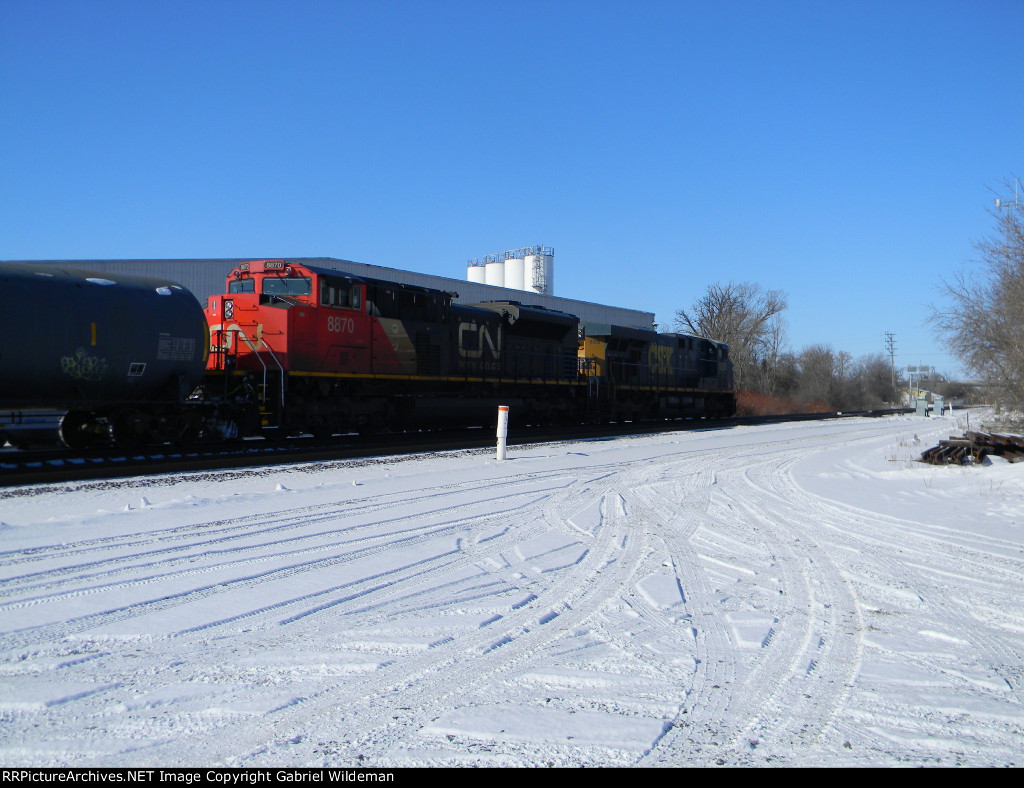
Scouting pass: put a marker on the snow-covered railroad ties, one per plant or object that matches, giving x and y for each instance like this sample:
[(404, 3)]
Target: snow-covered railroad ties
[(34, 466)]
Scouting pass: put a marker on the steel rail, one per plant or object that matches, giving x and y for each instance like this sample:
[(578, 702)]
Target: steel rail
[(27, 467)]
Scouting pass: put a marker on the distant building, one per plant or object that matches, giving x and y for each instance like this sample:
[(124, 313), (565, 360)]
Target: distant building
[(530, 269)]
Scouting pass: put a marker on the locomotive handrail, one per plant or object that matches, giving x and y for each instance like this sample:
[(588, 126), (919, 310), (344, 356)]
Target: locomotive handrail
[(253, 347), (238, 330), (270, 350)]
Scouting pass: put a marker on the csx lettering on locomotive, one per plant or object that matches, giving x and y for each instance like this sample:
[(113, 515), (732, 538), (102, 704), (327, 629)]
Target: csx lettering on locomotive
[(659, 358)]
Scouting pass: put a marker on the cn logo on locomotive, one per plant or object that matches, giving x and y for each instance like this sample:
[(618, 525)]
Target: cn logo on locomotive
[(473, 339)]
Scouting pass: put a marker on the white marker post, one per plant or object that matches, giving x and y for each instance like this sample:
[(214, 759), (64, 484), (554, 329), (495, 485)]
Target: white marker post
[(502, 430)]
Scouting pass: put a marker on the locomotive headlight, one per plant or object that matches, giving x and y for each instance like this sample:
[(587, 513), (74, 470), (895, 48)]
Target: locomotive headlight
[(229, 310)]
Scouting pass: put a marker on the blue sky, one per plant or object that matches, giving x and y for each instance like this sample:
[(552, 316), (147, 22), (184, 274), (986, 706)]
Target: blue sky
[(842, 152)]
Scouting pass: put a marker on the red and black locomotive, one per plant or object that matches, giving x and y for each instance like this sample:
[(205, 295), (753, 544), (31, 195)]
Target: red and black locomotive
[(325, 352)]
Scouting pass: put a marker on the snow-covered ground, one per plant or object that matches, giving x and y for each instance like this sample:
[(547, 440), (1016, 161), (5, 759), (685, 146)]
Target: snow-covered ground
[(799, 594)]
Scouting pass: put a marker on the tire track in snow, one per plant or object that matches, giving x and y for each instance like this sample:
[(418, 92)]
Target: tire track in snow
[(428, 683), (571, 600), (247, 528), (705, 691), (956, 643), (342, 554), (862, 544), (819, 636), (714, 710), (232, 530), (814, 627), (931, 560)]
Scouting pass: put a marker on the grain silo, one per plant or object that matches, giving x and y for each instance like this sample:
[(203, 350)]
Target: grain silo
[(515, 267), (495, 271)]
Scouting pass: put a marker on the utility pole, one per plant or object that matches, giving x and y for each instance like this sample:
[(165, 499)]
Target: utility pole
[(1010, 206), (890, 345)]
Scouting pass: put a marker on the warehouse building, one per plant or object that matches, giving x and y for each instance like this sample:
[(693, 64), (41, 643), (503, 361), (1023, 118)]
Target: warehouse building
[(207, 277)]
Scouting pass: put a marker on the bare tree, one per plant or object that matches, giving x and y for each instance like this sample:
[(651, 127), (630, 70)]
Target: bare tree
[(770, 358), (983, 321), (872, 382), (817, 373), (747, 318)]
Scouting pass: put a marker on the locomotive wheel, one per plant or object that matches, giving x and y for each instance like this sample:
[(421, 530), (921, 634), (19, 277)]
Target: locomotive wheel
[(187, 428), (127, 428), (321, 432), (74, 429), (276, 434), (377, 423)]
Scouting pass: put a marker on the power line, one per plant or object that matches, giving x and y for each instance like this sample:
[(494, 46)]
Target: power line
[(890, 344)]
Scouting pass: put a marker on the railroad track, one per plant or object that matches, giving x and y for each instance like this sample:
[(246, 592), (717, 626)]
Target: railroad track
[(22, 467)]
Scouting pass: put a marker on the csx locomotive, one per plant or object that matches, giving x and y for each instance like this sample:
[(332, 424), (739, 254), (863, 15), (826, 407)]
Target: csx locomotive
[(290, 349)]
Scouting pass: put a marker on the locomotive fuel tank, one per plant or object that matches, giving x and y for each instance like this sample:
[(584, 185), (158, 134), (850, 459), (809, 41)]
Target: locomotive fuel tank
[(72, 338)]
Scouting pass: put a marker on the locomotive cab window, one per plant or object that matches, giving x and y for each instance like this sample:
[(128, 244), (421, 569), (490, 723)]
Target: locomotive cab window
[(287, 285), (342, 294), (242, 286)]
